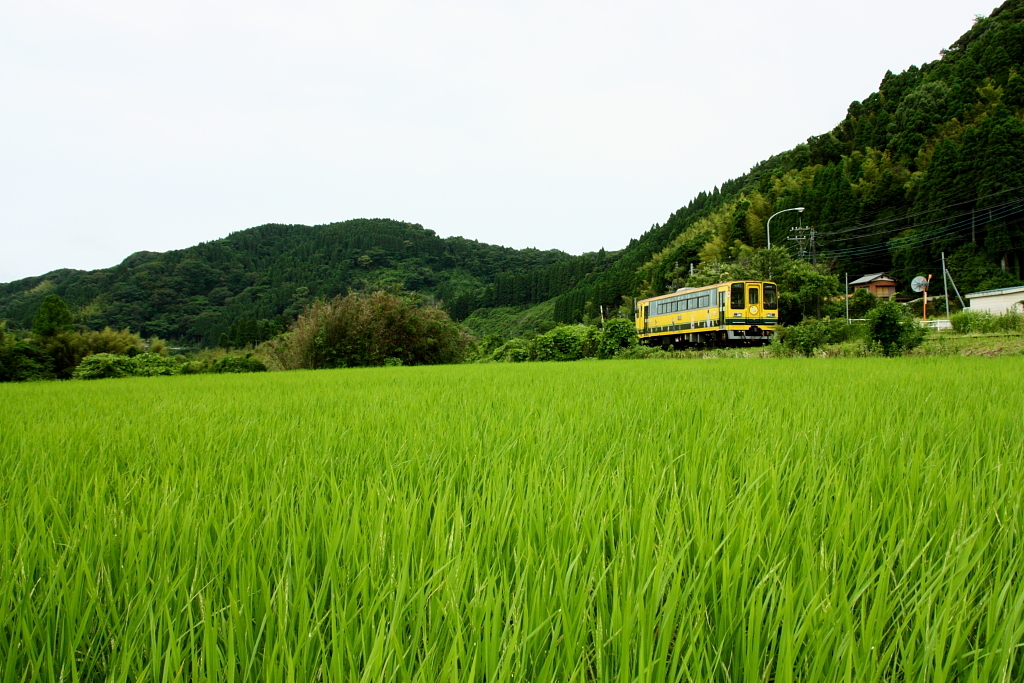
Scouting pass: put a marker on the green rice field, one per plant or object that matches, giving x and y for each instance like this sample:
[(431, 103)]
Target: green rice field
[(697, 520)]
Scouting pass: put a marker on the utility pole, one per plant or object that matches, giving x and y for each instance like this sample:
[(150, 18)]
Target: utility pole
[(814, 252), (800, 239), (973, 238), (768, 227), (847, 292), (945, 290)]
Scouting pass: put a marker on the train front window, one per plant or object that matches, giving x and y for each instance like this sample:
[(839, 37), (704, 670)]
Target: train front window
[(771, 301), (737, 295), (752, 295)]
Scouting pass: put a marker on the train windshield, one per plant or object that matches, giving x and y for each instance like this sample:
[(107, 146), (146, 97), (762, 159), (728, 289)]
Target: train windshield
[(771, 299), (737, 295)]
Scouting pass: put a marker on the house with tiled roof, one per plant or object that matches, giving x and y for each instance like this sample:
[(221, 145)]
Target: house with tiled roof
[(879, 284)]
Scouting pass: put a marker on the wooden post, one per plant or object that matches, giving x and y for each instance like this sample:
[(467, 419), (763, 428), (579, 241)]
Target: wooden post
[(926, 298)]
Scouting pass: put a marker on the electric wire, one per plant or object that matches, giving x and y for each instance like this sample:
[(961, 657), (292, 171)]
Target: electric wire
[(1005, 211), (914, 215)]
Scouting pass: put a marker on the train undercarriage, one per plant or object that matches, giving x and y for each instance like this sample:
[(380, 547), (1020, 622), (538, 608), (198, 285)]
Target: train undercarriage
[(713, 338)]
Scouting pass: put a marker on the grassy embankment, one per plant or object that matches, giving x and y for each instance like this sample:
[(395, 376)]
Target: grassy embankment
[(811, 520)]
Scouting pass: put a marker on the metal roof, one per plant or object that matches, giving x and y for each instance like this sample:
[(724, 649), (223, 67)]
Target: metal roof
[(871, 278), (991, 292)]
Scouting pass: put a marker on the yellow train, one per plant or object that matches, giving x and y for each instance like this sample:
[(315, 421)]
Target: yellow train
[(736, 313)]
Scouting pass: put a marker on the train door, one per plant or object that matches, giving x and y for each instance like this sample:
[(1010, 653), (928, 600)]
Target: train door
[(753, 300), (721, 309)]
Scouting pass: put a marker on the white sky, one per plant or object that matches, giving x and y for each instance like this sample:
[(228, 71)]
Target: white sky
[(128, 126)]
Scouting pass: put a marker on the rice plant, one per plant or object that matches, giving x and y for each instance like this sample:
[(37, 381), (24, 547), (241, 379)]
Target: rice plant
[(703, 520)]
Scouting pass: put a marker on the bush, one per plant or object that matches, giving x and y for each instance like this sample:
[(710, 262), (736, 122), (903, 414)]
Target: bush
[(861, 302), (893, 329), (194, 367), (367, 329), (513, 351), (812, 334), (104, 366), (618, 335), (239, 364), (567, 342), (153, 364)]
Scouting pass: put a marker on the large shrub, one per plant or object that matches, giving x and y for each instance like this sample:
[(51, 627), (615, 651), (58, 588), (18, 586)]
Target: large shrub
[(618, 335), (513, 351), (567, 342), (104, 366), (153, 364), (893, 328), (812, 334), (861, 302), (239, 364), (366, 330)]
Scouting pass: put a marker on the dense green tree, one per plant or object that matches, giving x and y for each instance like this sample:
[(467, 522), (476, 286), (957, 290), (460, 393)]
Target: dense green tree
[(21, 361), (53, 317)]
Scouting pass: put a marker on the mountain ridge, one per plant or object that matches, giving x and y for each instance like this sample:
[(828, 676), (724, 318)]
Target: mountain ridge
[(930, 164)]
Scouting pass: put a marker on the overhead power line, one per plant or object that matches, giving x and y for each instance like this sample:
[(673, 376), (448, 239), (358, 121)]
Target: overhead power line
[(887, 221), (964, 223)]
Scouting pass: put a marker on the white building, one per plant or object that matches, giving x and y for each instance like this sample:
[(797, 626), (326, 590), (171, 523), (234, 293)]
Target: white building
[(996, 301)]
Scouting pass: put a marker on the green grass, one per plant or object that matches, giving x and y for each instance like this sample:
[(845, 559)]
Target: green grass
[(952, 344), (702, 520)]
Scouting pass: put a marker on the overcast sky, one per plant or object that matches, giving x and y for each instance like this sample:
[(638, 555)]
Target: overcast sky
[(128, 126)]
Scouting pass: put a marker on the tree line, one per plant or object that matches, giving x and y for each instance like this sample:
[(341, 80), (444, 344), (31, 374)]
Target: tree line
[(267, 275)]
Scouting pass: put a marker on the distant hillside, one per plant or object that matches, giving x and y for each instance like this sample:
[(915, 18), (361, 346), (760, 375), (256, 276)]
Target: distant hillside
[(267, 274), (933, 162)]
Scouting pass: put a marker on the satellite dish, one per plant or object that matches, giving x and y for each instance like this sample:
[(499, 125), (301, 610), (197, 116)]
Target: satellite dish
[(919, 284)]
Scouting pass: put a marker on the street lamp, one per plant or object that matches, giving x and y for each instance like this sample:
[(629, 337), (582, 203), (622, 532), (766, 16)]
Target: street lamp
[(768, 228)]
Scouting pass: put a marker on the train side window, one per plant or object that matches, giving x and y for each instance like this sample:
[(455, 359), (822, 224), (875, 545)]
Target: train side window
[(705, 301), (753, 295), (737, 295), (771, 301)]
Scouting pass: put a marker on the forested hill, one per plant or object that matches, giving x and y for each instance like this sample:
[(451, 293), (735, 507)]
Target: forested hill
[(252, 282), (932, 162)]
